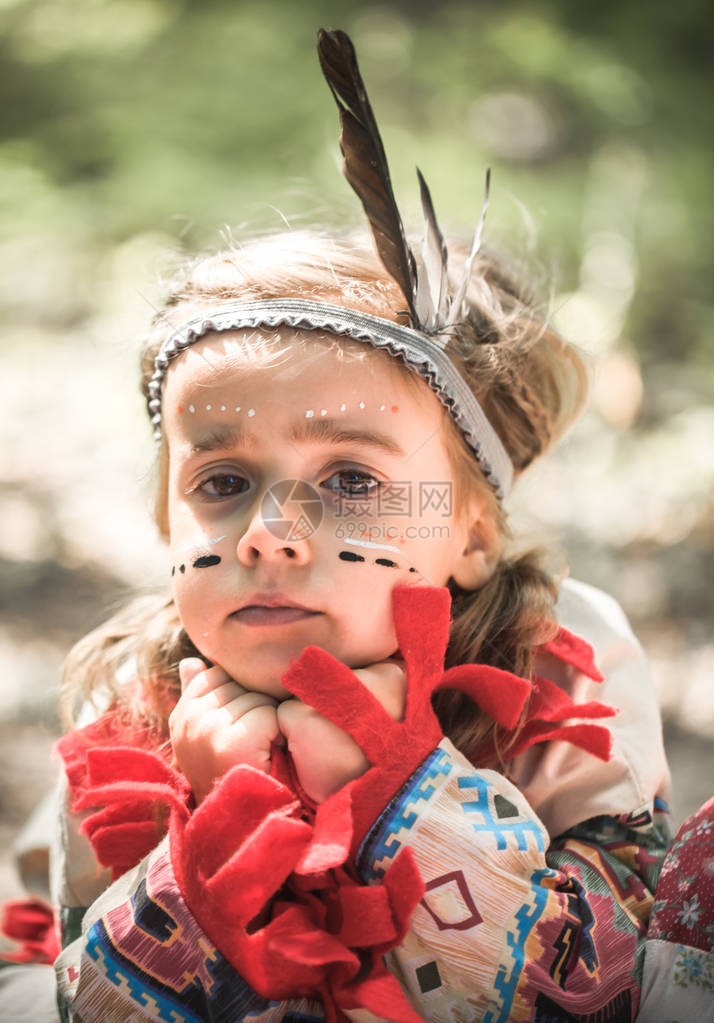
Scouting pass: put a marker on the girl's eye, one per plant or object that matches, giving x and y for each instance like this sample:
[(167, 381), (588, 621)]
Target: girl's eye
[(353, 483), (225, 484)]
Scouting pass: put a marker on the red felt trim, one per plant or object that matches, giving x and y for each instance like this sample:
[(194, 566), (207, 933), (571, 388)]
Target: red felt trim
[(245, 849), (499, 693), (551, 703), (31, 923), (381, 994), (332, 836), (396, 748), (113, 769), (132, 765), (594, 739), (364, 916), (285, 907), (573, 649), (404, 884), (267, 873)]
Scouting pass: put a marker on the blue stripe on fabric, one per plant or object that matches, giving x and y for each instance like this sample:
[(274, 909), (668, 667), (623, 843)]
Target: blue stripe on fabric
[(500, 829), (229, 999), (526, 917), (386, 836), (103, 953)]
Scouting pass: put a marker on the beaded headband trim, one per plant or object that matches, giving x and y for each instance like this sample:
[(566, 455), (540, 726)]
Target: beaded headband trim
[(420, 352)]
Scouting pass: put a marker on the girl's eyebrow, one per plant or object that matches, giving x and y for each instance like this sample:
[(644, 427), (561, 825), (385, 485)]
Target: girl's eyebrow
[(326, 430)]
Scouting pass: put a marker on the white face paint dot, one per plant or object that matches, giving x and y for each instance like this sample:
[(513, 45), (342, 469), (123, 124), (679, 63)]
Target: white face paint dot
[(323, 411), (251, 411), (191, 408), (223, 408), (309, 414), (382, 408), (208, 408), (343, 408), (361, 404), (237, 408)]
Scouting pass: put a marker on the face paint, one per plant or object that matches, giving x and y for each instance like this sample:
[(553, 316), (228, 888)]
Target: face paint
[(206, 561), (203, 542), (373, 545), (351, 606), (351, 556)]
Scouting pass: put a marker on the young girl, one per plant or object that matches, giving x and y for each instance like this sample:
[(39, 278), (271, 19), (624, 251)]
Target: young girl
[(270, 821)]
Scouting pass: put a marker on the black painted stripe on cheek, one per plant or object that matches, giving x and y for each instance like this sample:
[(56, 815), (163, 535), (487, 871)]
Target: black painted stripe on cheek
[(386, 562), (206, 560), (350, 556)]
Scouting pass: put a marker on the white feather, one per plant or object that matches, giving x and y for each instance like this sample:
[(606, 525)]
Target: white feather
[(431, 295), (458, 299)]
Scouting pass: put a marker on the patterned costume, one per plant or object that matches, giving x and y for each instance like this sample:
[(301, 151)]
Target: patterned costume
[(482, 912)]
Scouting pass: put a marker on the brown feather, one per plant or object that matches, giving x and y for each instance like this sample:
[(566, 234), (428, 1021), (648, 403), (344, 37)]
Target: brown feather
[(365, 165)]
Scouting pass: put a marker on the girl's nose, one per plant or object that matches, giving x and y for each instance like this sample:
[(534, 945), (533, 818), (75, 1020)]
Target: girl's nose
[(274, 539)]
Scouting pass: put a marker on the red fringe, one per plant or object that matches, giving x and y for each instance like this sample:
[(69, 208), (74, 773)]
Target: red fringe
[(31, 923), (267, 873)]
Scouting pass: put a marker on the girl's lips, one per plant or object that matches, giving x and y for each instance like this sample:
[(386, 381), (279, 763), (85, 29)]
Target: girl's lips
[(257, 614)]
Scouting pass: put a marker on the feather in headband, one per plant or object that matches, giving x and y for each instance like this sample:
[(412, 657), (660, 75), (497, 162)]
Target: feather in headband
[(432, 309)]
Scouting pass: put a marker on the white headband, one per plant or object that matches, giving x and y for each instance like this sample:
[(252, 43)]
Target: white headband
[(422, 353)]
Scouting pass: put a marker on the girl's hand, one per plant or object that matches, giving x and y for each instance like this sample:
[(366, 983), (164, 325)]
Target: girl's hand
[(217, 724), (325, 757)]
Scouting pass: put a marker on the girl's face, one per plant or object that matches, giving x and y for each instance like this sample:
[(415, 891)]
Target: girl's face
[(299, 496)]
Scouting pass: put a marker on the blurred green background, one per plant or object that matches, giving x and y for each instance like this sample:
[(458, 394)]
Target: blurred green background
[(133, 132)]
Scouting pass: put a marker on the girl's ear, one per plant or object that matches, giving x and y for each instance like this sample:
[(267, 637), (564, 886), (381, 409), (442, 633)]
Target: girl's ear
[(477, 562)]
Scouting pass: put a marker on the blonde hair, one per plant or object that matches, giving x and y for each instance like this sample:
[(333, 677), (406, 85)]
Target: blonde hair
[(530, 383)]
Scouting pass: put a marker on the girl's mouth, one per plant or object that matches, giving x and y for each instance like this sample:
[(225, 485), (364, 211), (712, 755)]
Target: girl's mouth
[(259, 614)]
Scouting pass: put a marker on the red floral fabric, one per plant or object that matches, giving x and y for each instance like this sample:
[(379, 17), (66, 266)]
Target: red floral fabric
[(683, 910)]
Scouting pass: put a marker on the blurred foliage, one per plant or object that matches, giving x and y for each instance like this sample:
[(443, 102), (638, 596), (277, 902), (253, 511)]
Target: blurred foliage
[(133, 132), (126, 116)]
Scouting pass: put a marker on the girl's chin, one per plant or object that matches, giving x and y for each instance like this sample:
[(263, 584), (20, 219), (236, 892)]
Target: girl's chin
[(258, 683), (262, 673)]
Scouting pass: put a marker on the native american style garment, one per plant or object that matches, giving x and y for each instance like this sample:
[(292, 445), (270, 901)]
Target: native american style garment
[(426, 889)]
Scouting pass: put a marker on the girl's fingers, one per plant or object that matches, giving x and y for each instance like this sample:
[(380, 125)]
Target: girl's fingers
[(220, 696), (387, 681), (325, 757), (197, 679), (189, 667), (246, 702)]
